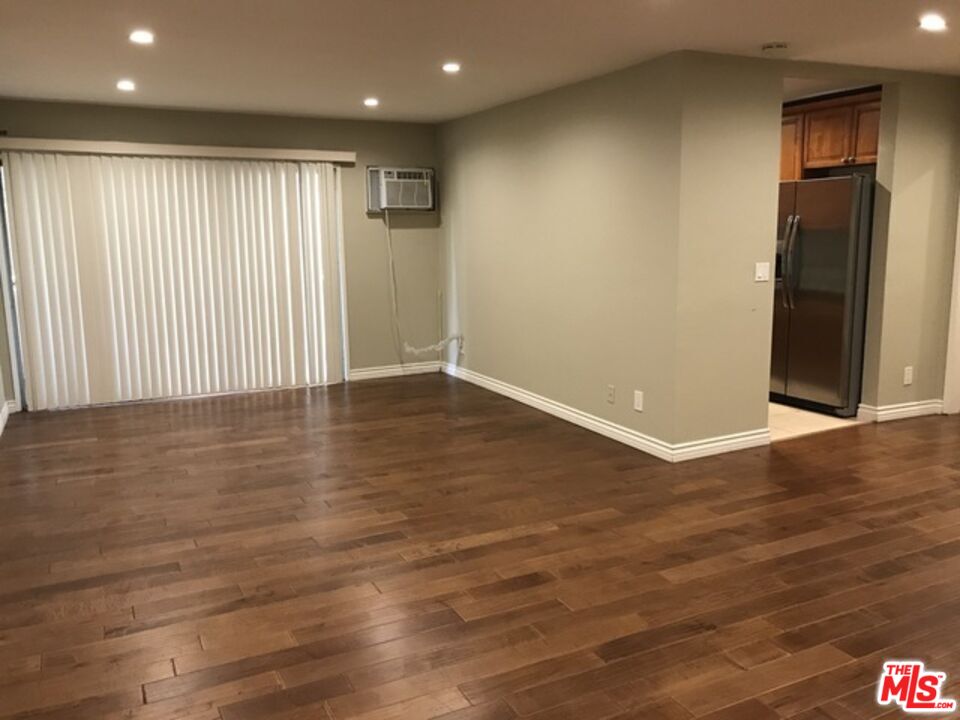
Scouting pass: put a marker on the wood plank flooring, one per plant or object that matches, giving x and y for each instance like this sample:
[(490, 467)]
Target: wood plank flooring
[(421, 548)]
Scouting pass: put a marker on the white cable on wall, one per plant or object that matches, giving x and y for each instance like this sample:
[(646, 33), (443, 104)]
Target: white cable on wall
[(400, 345)]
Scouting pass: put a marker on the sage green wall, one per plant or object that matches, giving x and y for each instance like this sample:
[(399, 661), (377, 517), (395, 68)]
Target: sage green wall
[(416, 236), (560, 214), (876, 283), (729, 173), (605, 233), (914, 266)]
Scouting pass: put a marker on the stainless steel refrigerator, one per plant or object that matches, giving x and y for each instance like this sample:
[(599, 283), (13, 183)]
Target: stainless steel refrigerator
[(821, 293)]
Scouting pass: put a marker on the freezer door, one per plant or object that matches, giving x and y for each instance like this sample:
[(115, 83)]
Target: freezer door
[(821, 287), (781, 314)]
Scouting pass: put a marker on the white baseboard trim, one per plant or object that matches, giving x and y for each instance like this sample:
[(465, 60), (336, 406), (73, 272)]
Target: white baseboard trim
[(385, 371), (721, 444), (658, 448), (883, 413)]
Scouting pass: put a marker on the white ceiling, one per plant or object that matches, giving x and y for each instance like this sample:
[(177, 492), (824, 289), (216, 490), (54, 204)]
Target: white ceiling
[(322, 57)]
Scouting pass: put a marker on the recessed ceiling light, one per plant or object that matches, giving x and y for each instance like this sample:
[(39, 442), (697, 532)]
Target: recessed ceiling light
[(371, 102), (932, 22), (141, 37), (451, 67), (126, 85)]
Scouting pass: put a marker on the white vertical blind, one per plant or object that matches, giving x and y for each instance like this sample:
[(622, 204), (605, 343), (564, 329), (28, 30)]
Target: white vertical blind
[(162, 277)]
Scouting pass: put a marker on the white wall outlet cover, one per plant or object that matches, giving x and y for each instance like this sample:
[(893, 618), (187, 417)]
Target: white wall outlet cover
[(908, 375), (761, 272), (611, 393), (638, 400)]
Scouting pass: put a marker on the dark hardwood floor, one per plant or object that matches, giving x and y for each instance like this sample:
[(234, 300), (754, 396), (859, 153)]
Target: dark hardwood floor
[(421, 548)]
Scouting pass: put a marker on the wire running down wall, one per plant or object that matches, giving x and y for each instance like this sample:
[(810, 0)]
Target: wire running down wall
[(143, 278)]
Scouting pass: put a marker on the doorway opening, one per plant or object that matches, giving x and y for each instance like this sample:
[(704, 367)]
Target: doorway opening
[(829, 145)]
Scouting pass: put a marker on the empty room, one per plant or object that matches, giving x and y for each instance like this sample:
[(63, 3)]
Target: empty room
[(479, 359)]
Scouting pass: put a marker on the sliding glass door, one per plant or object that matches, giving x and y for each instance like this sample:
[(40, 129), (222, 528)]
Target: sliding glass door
[(145, 278)]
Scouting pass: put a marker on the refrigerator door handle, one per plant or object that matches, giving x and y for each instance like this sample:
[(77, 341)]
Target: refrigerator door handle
[(783, 260), (788, 283)]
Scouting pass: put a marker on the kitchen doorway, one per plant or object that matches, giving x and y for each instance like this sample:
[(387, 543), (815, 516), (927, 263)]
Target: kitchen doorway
[(786, 422), (828, 154)]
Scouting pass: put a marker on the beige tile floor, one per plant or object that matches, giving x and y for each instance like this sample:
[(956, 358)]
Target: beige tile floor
[(789, 422)]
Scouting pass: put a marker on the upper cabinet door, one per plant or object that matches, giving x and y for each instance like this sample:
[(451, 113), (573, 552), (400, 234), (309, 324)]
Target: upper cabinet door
[(828, 137), (791, 147), (866, 132)]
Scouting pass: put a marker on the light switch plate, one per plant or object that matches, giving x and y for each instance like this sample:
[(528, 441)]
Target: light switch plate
[(761, 272), (638, 400)]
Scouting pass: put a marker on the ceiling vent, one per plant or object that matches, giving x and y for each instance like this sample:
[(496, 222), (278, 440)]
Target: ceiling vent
[(777, 49)]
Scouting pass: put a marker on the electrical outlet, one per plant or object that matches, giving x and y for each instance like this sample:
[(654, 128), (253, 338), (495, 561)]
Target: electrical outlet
[(761, 272), (638, 400), (611, 394), (908, 375)]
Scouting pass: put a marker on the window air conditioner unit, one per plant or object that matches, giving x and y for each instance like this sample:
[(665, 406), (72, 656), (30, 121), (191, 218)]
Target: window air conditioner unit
[(398, 188)]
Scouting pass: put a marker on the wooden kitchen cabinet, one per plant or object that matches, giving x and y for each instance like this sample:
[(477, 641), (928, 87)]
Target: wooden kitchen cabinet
[(866, 132), (828, 133), (831, 132), (791, 147)]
